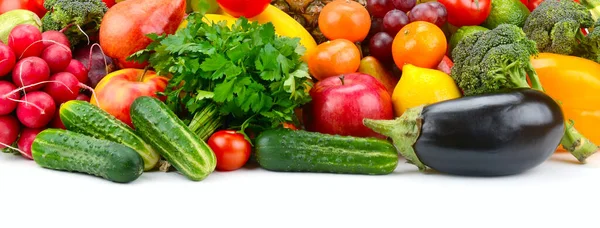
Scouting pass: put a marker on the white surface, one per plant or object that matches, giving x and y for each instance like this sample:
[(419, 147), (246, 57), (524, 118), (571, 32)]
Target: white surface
[(559, 193)]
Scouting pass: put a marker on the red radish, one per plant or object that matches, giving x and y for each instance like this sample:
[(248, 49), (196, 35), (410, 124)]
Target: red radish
[(7, 59), (36, 109), (8, 100), (63, 87), (30, 70), (57, 56), (78, 69), (57, 122), (9, 131), (55, 36), (83, 97), (23, 41), (26, 139)]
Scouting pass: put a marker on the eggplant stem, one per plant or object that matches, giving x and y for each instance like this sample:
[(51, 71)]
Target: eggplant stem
[(578, 145), (404, 132)]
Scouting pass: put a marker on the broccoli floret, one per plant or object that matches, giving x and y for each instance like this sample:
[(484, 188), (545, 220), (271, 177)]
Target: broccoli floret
[(555, 26), (77, 19), (494, 60)]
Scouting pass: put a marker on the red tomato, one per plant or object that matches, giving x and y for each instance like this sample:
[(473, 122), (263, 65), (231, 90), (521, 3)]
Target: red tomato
[(109, 3), (246, 8), (36, 6), (445, 65), (231, 148), (467, 12)]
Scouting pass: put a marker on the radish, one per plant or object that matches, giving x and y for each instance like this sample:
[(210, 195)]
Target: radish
[(26, 139), (8, 100), (78, 69), (55, 36), (22, 39), (56, 122), (63, 87), (57, 56), (36, 109), (7, 59), (9, 131), (83, 97), (30, 70)]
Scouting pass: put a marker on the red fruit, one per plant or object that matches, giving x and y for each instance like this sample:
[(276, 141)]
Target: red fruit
[(26, 139), (52, 37), (78, 69), (29, 71), (7, 59), (57, 56), (24, 40), (36, 109), (341, 103), (64, 87), (245, 8)]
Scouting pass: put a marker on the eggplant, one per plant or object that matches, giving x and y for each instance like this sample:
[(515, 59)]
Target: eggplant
[(486, 135)]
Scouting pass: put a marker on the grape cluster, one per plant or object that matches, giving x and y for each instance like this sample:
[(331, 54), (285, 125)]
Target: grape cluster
[(390, 16)]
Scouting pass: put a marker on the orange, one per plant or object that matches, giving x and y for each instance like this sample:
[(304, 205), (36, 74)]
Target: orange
[(333, 58), (345, 19), (419, 43)]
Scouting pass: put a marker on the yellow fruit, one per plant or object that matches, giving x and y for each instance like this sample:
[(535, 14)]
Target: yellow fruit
[(422, 86), (286, 26)]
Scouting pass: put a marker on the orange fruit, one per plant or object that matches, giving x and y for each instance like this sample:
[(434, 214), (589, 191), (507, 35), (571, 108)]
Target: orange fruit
[(333, 58), (419, 43), (345, 19)]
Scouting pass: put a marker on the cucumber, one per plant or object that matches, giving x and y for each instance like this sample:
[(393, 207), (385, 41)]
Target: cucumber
[(85, 118), (173, 140), (301, 151), (70, 151), (11, 19)]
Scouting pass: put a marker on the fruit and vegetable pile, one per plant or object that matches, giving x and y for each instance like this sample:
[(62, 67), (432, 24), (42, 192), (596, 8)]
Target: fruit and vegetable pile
[(116, 88)]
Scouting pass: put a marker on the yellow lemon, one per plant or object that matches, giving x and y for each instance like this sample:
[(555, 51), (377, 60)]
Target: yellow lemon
[(422, 86)]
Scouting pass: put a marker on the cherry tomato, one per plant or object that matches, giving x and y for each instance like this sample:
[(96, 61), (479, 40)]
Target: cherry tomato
[(231, 149), (246, 8), (109, 3), (467, 12), (36, 6)]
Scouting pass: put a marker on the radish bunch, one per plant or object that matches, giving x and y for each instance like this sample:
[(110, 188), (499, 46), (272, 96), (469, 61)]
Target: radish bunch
[(37, 74)]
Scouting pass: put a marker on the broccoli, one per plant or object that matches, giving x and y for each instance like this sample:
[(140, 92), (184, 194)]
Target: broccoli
[(555, 26), (494, 60), (77, 19), (500, 59)]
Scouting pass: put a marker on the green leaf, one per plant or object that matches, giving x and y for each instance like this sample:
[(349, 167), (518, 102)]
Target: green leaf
[(224, 91), (201, 95), (213, 63)]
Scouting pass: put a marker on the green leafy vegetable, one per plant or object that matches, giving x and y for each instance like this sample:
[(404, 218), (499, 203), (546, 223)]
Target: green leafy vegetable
[(254, 77)]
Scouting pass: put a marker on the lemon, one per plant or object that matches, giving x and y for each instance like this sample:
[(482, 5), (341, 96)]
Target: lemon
[(422, 86)]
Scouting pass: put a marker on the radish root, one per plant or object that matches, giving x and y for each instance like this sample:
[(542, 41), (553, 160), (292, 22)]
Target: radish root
[(21, 75), (17, 149), (103, 57), (51, 41), (32, 85), (84, 86), (86, 35), (28, 103)]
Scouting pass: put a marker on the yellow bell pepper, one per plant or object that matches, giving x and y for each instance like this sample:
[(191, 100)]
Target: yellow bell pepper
[(575, 83)]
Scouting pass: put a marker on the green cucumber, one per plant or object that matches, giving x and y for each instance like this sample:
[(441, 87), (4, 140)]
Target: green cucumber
[(173, 140), (70, 151), (85, 118), (287, 150)]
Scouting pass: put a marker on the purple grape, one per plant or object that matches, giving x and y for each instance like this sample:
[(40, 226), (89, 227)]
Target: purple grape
[(380, 46), (394, 21), (376, 26), (404, 5), (378, 8), (433, 12)]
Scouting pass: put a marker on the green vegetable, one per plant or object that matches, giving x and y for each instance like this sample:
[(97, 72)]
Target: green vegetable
[(159, 126), (556, 26), (301, 151), (85, 118), (499, 59), (11, 19), (246, 75), (593, 6), (463, 32), (493, 60), (506, 12), (77, 19), (69, 151)]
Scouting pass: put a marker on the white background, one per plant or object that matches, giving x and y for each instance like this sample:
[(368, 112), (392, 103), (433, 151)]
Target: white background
[(559, 193)]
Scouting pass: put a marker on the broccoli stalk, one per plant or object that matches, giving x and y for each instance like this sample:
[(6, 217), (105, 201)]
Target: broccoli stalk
[(499, 59), (77, 19)]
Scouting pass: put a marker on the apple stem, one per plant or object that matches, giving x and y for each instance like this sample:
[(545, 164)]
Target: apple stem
[(342, 79), (143, 74)]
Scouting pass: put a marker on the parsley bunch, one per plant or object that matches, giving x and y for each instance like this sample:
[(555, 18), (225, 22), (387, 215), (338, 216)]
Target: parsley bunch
[(253, 76)]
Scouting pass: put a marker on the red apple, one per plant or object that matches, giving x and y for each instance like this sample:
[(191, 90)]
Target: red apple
[(117, 91), (339, 105), (446, 65)]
